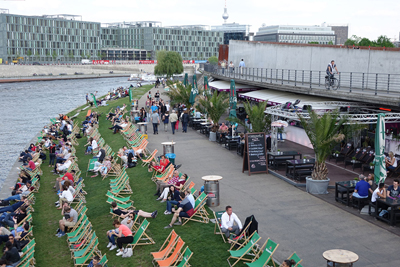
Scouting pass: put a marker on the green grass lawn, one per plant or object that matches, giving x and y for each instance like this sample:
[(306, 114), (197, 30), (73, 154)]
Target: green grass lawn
[(209, 249)]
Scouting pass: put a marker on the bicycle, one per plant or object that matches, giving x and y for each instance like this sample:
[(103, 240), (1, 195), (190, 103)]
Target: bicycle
[(331, 82)]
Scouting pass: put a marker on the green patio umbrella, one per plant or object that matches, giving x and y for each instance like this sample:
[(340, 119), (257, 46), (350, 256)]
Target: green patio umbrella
[(207, 90), (186, 80), (194, 91), (94, 100), (130, 95), (380, 164), (232, 100)]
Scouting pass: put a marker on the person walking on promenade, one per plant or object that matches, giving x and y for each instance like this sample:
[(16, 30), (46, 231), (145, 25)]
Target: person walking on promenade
[(241, 66), (155, 119), (173, 118)]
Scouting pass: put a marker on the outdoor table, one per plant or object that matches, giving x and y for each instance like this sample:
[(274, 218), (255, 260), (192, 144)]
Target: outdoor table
[(340, 257), (168, 147), (344, 187), (231, 141), (281, 156), (355, 163), (295, 168), (143, 127), (204, 126), (211, 188), (393, 203)]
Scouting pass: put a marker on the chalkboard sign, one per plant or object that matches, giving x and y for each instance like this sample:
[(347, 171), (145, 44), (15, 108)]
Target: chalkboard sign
[(255, 156)]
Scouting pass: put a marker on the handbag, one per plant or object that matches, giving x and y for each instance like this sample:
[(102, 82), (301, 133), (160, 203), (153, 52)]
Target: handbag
[(127, 253)]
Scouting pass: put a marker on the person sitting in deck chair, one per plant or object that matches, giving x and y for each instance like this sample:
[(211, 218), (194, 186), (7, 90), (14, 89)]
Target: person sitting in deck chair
[(124, 213), (228, 220), (185, 210)]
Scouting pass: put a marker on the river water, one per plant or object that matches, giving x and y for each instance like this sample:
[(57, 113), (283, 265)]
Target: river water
[(27, 107)]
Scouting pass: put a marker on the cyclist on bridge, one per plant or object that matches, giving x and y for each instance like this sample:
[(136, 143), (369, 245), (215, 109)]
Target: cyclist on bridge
[(329, 69)]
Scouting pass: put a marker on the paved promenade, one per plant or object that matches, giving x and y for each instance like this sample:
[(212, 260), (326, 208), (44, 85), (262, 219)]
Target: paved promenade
[(291, 217)]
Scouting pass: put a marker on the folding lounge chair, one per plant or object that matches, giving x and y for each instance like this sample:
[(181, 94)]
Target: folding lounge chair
[(268, 251), (184, 258), (149, 158), (296, 258), (140, 237), (166, 248), (240, 254), (174, 255), (217, 216), (200, 214)]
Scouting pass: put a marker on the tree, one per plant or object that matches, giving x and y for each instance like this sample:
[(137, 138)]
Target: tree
[(54, 55), (353, 40), (99, 54), (215, 105), (149, 55), (330, 42), (260, 122), (213, 60), (179, 93), (323, 132), (48, 54), (365, 42), (37, 55), (384, 41), (313, 42), (71, 55), (88, 55), (29, 53), (168, 63)]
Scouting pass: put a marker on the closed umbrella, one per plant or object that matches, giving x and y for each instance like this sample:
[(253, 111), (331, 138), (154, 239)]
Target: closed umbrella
[(232, 100), (130, 94), (185, 80), (94, 100), (207, 90), (380, 164), (194, 91)]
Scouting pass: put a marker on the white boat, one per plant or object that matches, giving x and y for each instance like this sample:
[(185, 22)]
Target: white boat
[(143, 77)]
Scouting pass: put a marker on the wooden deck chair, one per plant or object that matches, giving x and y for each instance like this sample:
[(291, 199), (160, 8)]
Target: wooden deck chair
[(115, 170), (268, 250), (296, 258), (200, 213), (140, 237), (103, 261), (80, 219), (240, 254), (164, 175), (28, 218), (82, 261), (83, 232), (174, 255), (165, 248), (93, 242), (184, 258), (83, 241), (28, 248), (149, 158), (82, 227), (122, 200), (122, 188), (217, 216), (28, 260)]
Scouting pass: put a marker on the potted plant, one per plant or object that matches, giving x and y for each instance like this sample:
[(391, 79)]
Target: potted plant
[(304, 159), (215, 105), (337, 153), (371, 165), (324, 133), (353, 159)]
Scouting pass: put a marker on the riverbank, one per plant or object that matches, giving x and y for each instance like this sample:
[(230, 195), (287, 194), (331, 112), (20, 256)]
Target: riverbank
[(63, 77)]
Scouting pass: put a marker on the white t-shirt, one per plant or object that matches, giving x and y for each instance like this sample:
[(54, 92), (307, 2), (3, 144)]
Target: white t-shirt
[(67, 195), (94, 144), (65, 165), (375, 196)]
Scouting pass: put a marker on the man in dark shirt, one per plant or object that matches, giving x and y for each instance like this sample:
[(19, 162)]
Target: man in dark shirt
[(19, 216), (11, 254), (13, 207), (393, 190)]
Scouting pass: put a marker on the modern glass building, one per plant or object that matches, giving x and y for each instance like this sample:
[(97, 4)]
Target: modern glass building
[(296, 34), (233, 31), (48, 38), (191, 41)]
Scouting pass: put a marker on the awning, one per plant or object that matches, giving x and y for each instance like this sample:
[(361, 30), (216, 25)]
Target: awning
[(279, 97), (225, 86)]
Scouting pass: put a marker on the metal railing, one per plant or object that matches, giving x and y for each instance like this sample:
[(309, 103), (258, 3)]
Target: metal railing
[(352, 82)]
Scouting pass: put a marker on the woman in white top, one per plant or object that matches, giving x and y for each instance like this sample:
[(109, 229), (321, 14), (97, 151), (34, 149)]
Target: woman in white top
[(91, 145), (378, 193), (65, 196), (391, 162)]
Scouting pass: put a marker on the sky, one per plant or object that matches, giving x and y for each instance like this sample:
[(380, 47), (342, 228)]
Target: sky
[(365, 18)]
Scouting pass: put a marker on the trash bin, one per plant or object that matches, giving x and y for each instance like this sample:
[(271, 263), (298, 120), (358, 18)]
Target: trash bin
[(211, 189), (143, 127), (168, 147), (171, 157)]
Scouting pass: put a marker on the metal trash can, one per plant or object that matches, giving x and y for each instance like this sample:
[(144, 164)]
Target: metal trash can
[(171, 157), (143, 127), (211, 189), (168, 147)]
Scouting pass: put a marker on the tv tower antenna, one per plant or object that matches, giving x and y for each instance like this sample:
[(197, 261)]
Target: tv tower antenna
[(225, 16)]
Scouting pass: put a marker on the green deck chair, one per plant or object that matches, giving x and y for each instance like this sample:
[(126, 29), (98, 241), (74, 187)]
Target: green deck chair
[(266, 256), (103, 261), (28, 260), (217, 216), (123, 200), (94, 241), (138, 239), (296, 258), (239, 254), (77, 230), (91, 165), (82, 261), (184, 258)]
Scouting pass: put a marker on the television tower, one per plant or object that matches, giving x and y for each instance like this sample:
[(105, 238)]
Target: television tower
[(225, 16)]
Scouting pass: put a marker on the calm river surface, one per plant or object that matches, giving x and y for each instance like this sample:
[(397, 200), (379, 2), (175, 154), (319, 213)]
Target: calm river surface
[(27, 107)]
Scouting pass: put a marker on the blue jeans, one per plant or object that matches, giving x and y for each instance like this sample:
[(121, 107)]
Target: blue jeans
[(6, 209), (184, 126), (89, 149), (173, 127), (170, 203), (155, 128), (8, 220), (15, 197), (111, 238)]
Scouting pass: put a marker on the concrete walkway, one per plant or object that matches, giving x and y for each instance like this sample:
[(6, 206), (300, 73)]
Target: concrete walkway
[(291, 217)]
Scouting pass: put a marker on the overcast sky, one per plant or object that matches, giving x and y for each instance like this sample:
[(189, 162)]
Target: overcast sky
[(366, 18)]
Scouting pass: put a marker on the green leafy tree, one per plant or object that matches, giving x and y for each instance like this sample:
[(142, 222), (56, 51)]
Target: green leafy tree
[(384, 41), (48, 54), (313, 42), (365, 42), (54, 55), (179, 93), (353, 40), (29, 53), (330, 42), (71, 55), (88, 55), (149, 56), (168, 63), (215, 105), (213, 60), (324, 133), (260, 122)]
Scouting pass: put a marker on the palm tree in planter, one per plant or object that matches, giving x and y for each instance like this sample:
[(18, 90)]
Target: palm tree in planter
[(179, 93), (215, 105), (324, 132), (260, 122)]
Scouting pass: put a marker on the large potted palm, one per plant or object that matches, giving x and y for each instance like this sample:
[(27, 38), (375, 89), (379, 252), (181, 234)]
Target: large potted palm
[(324, 132), (215, 106), (260, 122)]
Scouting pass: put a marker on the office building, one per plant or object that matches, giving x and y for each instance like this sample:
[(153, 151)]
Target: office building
[(341, 32), (190, 41), (47, 37), (296, 34), (233, 31)]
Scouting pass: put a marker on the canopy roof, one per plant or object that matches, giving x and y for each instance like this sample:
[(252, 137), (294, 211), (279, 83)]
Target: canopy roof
[(225, 86)]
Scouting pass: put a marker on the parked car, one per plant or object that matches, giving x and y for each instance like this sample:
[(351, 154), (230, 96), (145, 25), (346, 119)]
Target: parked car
[(36, 63)]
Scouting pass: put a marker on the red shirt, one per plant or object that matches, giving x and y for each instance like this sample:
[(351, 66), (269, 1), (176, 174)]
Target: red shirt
[(69, 176), (32, 165), (164, 163)]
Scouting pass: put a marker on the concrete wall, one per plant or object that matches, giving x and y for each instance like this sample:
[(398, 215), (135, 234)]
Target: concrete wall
[(283, 56)]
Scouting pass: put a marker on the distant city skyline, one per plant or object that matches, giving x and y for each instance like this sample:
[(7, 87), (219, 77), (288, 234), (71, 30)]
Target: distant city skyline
[(365, 18)]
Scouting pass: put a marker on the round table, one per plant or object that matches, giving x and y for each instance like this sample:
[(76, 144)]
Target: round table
[(211, 188), (340, 257), (142, 127), (168, 147)]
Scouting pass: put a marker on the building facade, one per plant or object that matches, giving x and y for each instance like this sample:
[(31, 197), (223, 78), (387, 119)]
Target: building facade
[(191, 42), (341, 32), (233, 31), (47, 38), (296, 34)]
